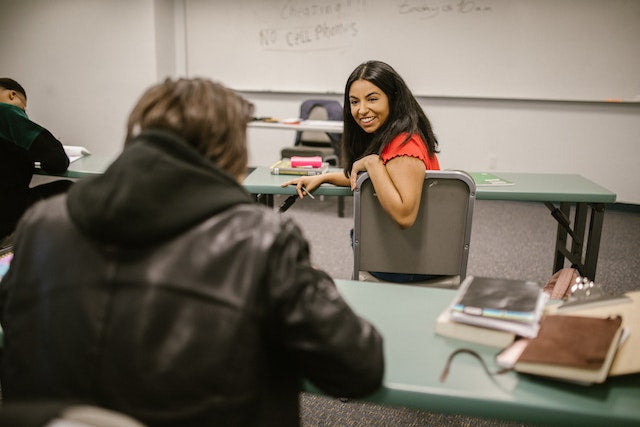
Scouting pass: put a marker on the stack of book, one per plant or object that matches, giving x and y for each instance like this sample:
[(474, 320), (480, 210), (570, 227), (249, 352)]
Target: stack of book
[(299, 165), (584, 346), (493, 311)]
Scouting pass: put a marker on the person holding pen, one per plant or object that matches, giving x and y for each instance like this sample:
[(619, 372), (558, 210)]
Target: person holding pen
[(387, 134), (161, 290), (22, 143)]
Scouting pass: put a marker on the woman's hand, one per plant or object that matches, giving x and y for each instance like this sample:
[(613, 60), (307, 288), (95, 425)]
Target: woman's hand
[(310, 183), (362, 165)]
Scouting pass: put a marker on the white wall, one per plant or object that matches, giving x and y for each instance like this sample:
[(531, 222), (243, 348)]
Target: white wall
[(85, 62), (82, 63)]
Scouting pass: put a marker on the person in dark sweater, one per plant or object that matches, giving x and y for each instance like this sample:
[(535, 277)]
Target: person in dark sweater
[(22, 143), (160, 289)]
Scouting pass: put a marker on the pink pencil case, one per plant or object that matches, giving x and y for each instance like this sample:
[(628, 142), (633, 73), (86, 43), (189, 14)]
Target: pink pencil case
[(301, 162)]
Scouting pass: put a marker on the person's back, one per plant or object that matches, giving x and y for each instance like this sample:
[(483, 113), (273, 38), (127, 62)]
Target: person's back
[(23, 142), (162, 291)]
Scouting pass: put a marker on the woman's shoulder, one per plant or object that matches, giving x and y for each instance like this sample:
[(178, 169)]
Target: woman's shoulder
[(403, 143), (414, 146), (404, 136)]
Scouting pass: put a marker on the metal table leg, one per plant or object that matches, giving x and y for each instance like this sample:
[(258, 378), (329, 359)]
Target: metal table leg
[(581, 237)]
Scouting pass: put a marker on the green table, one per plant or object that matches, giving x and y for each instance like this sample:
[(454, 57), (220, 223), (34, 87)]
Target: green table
[(575, 196), (415, 357), (83, 167)]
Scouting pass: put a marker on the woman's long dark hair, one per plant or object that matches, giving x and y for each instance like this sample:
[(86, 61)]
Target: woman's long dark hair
[(405, 115)]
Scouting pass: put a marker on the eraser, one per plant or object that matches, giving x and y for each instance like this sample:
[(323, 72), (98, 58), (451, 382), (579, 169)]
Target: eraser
[(300, 161)]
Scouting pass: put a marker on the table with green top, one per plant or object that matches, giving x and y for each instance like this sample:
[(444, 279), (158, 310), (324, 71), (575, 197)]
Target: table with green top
[(415, 357), (85, 166), (576, 203)]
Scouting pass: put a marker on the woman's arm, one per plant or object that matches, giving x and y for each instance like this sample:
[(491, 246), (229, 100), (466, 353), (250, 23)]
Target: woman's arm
[(314, 181), (398, 185)]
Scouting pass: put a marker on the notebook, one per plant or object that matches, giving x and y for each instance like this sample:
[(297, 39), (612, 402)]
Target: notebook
[(505, 304), (572, 348), (626, 360), (485, 179), (446, 327), (75, 152), (283, 167)]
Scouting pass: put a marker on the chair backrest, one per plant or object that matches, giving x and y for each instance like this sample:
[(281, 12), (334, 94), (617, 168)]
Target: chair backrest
[(320, 109), (437, 243)]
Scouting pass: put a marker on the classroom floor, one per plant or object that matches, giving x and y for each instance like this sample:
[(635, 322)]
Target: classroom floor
[(509, 239)]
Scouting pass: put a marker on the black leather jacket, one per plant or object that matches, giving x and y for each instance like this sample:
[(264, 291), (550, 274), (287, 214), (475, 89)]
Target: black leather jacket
[(158, 289)]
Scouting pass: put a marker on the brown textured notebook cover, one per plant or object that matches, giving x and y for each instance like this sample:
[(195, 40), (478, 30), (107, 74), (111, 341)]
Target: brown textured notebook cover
[(581, 342), (626, 360)]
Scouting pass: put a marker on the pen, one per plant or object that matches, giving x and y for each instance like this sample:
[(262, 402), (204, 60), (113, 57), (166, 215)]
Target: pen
[(304, 190), (287, 203)]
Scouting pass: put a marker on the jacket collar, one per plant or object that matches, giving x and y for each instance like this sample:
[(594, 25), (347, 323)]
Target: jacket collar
[(158, 187)]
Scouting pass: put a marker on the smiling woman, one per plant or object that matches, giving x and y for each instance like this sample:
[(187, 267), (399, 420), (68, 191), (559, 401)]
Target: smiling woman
[(387, 134)]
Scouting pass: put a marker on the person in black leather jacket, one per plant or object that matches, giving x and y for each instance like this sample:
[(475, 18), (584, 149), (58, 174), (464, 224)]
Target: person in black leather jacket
[(160, 290)]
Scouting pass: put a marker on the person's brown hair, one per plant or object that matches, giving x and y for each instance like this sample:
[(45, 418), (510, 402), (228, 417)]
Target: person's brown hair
[(209, 116)]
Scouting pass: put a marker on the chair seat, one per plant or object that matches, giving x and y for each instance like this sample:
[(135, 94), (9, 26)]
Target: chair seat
[(445, 282)]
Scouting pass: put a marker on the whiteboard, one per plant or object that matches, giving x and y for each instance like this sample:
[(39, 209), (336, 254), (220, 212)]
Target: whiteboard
[(576, 50)]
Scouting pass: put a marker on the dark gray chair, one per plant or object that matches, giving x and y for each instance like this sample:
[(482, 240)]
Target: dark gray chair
[(325, 144), (437, 244)]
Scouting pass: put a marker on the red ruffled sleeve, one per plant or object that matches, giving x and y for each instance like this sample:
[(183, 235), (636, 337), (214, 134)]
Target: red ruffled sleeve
[(414, 147)]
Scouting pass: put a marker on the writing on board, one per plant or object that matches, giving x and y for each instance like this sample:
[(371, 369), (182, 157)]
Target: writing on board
[(301, 28), (427, 10), (522, 49), (322, 26)]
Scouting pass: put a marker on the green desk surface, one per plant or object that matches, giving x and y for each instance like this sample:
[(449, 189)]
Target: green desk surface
[(535, 187), (84, 166), (542, 187), (261, 181), (547, 187), (415, 357)]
